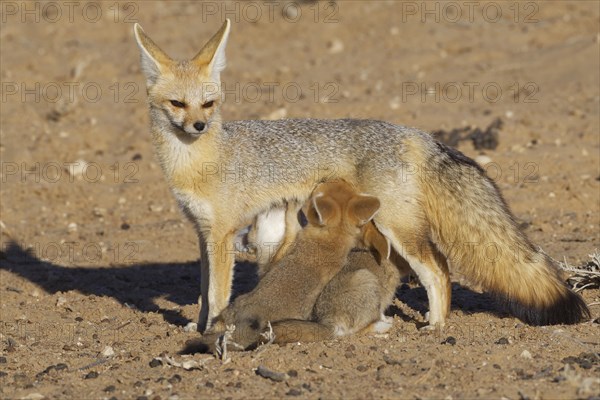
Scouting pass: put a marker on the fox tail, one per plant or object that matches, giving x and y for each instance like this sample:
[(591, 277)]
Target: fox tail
[(479, 236)]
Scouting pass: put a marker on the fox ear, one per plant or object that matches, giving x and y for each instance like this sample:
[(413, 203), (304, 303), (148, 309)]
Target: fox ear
[(363, 208), (154, 60), (213, 52), (376, 241), (322, 210)]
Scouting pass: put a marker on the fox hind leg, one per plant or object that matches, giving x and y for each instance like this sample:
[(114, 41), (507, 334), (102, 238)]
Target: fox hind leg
[(431, 268)]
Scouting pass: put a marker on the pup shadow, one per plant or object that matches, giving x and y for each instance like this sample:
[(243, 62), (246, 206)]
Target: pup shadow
[(141, 285)]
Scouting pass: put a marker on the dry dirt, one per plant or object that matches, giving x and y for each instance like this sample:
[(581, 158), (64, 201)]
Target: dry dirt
[(99, 270)]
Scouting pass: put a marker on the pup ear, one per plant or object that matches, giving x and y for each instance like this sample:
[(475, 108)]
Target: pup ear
[(377, 242), (363, 208), (154, 60), (212, 54), (321, 210)]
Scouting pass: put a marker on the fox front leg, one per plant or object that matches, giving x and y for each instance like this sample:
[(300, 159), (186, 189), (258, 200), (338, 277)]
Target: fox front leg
[(216, 276)]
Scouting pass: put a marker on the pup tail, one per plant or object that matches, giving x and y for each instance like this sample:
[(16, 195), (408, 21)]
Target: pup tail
[(473, 227)]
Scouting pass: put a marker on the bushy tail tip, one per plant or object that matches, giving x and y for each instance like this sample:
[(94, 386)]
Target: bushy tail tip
[(568, 308)]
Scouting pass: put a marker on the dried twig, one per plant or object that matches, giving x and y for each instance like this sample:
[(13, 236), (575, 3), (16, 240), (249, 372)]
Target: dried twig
[(586, 276), (269, 337), (223, 341)]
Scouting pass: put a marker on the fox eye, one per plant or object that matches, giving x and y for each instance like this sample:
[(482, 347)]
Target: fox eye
[(208, 104), (177, 104)]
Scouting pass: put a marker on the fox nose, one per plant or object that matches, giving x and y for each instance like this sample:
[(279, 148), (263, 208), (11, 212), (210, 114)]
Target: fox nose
[(199, 126)]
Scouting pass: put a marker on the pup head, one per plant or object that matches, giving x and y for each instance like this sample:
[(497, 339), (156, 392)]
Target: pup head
[(337, 203)]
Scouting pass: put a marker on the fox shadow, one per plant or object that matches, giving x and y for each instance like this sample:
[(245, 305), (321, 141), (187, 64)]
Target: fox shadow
[(140, 285), (136, 286)]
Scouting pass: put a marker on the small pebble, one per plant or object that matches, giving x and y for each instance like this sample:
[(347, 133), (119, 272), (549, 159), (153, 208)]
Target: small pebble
[(61, 366), (110, 389), (155, 207), (61, 301), (483, 160), (91, 375), (294, 392), (450, 340), (155, 363), (33, 396), (502, 340), (99, 212), (336, 46), (77, 168), (362, 368), (2, 360), (174, 379), (108, 351), (272, 375), (191, 327), (526, 354)]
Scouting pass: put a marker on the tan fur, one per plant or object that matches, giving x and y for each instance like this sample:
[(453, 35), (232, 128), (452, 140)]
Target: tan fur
[(431, 196), (289, 290)]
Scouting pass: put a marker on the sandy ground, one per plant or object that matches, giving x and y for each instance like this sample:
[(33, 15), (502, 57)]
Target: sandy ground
[(99, 270)]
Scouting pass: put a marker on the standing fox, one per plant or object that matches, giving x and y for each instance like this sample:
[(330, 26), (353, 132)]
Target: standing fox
[(337, 217), (436, 203)]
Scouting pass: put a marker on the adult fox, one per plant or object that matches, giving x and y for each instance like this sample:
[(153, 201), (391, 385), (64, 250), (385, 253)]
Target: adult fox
[(436, 203)]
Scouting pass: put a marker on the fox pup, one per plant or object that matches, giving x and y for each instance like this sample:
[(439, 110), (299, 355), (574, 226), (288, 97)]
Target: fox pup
[(437, 205), (291, 287), (355, 298)]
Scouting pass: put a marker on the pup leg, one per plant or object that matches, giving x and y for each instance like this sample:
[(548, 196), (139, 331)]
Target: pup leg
[(291, 331)]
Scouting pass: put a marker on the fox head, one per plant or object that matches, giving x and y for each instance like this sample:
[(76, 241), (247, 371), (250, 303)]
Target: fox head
[(184, 94)]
